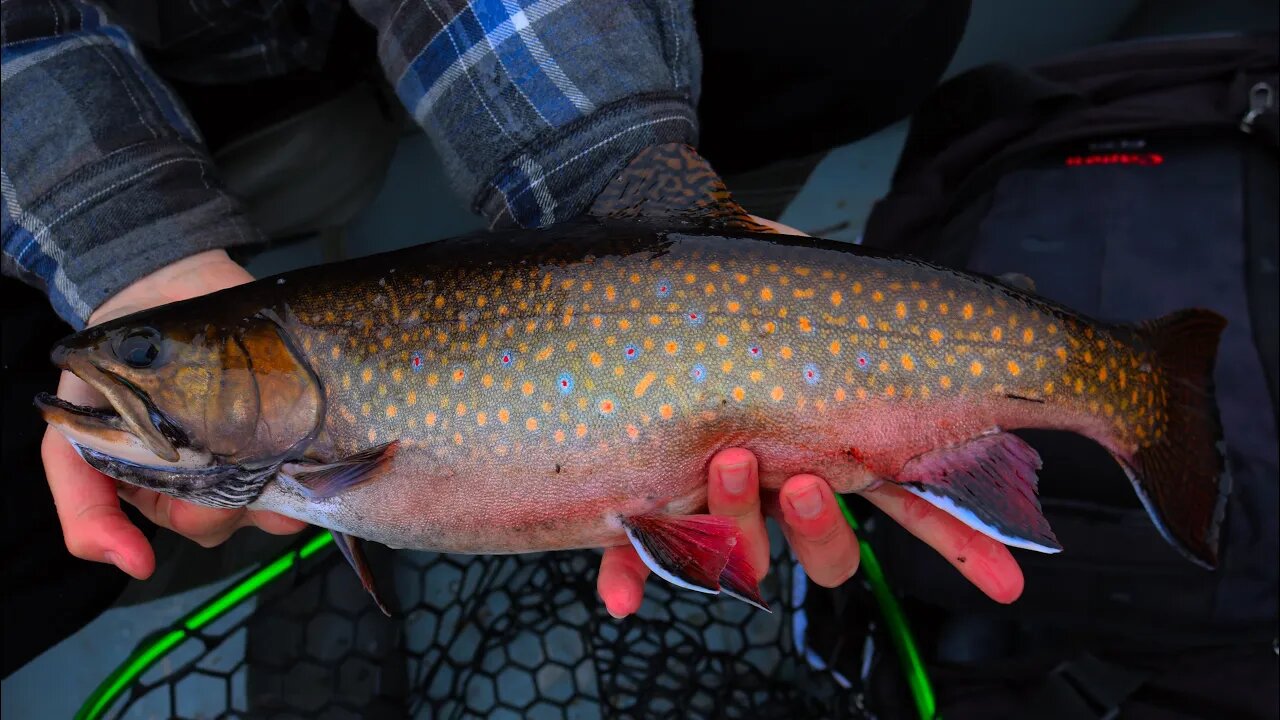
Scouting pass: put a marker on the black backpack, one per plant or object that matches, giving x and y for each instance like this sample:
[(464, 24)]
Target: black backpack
[(1126, 181)]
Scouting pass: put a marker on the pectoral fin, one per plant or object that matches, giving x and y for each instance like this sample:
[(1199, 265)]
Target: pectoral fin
[(351, 550), (695, 552), (989, 484), (319, 481)]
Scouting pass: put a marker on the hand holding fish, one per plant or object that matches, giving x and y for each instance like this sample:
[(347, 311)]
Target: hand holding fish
[(814, 526), (93, 525)]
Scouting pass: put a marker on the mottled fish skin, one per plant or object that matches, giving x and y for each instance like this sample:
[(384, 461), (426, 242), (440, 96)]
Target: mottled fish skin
[(544, 384)]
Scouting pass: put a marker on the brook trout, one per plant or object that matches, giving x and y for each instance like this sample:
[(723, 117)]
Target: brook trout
[(539, 390)]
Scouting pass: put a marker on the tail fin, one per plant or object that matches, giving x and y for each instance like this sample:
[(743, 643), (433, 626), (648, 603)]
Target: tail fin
[(1179, 469)]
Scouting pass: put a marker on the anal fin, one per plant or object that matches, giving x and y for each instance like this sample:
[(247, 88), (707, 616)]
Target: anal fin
[(325, 480), (989, 484), (738, 579), (351, 550), (696, 552)]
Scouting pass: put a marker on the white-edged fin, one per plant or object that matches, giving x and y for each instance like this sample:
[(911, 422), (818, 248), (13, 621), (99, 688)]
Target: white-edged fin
[(967, 517), (662, 572), (743, 598), (988, 483)]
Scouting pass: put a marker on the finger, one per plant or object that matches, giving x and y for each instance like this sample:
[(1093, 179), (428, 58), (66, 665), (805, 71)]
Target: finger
[(733, 490), (985, 562), (93, 525), (817, 530), (621, 580), (205, 526), (273, 523)]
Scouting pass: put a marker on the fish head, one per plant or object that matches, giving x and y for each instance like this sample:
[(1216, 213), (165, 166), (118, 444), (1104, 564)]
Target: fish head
[(186, 403)]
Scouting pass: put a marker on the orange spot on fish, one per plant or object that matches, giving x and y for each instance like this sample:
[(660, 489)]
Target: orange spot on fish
[(461, 409), (504, 416), (596, 359), (624, 324), (643, 386), (777, 394), (580, 430), (834, 347), (1102, 374), (1079, 388), (741, 278), (1061, 353), (671, 347), (756, 376), (1048, 388), (967, 311), (863, 322), (1014, 369), (935, 336), (945, 382), (733, 306), (900, 310), (365, 409), (877, 296), (726, 366), (996, 334), (633, 432), (666, 412), (840, 395), (805, 324), (722, 340), (785, 352), (430, 419), (975, 368), (890, 390), (606, 406), (366, 376), (908, 363), (861, 393), (544, 353), (857, 288), (769, 327), (1028, 336), (766, 294), (527, 388), (610, 293), (836, 298), (739, 394), (531, 424), (559, 436)]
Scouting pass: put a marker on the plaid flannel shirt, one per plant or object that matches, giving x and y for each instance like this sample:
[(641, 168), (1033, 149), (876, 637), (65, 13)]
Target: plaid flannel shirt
[(533, 104)]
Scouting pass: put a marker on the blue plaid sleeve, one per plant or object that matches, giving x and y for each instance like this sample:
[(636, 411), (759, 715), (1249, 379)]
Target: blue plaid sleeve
[(535, 104), (104, 176)]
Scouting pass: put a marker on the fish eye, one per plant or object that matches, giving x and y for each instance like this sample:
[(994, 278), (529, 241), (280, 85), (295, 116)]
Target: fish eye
[(140, 348)]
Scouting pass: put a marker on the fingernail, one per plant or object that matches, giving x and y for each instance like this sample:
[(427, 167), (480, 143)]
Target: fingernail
[(734, 478), (807, 502), (114, 559)]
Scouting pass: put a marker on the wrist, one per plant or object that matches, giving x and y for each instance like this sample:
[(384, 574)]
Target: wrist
[(194, 275)]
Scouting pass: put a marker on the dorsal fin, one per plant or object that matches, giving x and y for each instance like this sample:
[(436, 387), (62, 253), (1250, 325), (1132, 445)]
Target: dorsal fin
[(672, 184)]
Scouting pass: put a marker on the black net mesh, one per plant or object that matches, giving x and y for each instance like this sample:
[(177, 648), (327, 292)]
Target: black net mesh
[(495, 636)]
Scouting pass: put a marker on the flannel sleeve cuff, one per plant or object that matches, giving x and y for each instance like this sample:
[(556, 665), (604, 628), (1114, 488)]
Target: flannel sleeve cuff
[(119, 219)]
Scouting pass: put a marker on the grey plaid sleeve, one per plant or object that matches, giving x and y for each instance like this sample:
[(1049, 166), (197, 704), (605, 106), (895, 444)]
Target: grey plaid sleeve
[(104, 177), (535, 104)]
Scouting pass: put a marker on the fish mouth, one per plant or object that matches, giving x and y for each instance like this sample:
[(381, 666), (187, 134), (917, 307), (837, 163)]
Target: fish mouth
[(132, 427)]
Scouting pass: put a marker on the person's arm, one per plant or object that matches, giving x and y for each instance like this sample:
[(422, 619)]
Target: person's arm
[(111, 204), (534, 110), (105, 177)]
